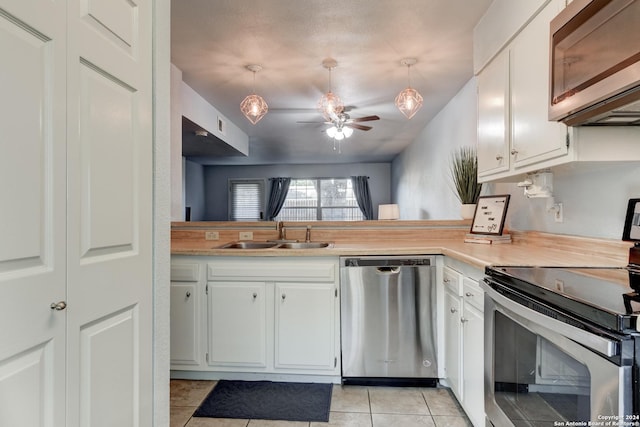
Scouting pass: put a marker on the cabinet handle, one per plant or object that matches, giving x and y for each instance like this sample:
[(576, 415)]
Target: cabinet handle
[(58, 306), (283, 297), (188, 294), (453, 310), (514, 151), (463, 320), (255, 295), (469, 294), (446, 280), (499, 157)]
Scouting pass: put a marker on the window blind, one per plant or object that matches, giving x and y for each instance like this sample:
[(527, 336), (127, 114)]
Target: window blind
[(246, 200)]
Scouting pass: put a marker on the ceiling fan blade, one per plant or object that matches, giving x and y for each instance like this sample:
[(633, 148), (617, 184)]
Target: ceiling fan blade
[(365, 119), (356, 126)]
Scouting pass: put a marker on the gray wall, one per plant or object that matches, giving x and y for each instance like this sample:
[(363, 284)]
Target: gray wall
[(216, 180), (195, 190), (594, 195), (420, 176)]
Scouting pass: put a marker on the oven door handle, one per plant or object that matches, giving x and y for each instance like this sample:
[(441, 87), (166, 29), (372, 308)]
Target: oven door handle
[(602, 345)]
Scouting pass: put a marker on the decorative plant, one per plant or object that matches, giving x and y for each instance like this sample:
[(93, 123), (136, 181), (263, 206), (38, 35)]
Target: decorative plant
[(464, 171)]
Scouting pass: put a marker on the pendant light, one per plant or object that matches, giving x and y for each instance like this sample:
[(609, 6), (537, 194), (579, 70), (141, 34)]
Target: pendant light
[(330, 105), (409, 101), (254, 106)]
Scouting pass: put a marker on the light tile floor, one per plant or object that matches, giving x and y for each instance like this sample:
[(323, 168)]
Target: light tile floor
[(352, 406)]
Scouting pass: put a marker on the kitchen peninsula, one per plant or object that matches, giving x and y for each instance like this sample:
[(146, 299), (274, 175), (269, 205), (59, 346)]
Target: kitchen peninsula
[(401, 238)]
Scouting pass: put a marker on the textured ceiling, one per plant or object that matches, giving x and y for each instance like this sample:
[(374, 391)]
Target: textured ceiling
[(212, 42)]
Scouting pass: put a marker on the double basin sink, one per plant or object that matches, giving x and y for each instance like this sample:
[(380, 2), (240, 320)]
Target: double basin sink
[(276, 245)]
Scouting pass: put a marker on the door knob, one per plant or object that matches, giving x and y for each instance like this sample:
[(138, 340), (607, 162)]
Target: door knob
[(58, 305)]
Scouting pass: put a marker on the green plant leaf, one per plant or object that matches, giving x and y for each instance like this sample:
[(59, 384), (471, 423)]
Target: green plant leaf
[(464, 172)]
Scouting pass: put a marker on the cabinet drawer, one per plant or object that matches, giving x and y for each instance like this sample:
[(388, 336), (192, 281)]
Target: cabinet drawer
[(452, 281), (185, 272), (472, 293), (273, 270)]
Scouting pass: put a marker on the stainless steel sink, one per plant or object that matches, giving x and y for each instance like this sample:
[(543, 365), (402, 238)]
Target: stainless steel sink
[(304, 245), (249, 245)]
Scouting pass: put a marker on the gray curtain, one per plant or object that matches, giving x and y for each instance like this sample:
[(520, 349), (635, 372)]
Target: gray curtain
[(277, 196), (363, 196)]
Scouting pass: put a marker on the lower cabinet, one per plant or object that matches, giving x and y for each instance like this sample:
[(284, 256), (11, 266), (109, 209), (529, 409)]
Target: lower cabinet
[(185, 329), (258, 316), (237, 324), (305, 326), (464, 338)]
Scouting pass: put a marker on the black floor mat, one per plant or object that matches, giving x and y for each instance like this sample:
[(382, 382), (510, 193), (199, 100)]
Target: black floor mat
[(267, 400)]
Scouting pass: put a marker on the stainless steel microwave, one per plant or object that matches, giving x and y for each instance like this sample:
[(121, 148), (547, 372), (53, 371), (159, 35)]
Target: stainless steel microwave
[(595, 63)]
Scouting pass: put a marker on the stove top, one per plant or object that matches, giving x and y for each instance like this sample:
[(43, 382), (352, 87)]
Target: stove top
[(601, 296)]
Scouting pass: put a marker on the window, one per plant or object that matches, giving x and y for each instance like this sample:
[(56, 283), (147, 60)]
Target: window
[(315, 199), (246, 200)]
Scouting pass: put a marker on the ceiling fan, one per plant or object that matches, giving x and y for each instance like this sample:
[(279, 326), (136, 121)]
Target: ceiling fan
[(342, 125)]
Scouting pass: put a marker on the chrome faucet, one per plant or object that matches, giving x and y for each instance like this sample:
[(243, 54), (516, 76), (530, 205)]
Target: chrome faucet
[(282, 231), (307, 237)]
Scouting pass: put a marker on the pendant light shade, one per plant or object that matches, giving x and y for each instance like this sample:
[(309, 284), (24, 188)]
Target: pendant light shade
[(254, 107), (409, 101), (330, 105)]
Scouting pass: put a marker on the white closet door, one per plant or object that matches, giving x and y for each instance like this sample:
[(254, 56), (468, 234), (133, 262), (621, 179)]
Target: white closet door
[(32, 212), (109, 164)]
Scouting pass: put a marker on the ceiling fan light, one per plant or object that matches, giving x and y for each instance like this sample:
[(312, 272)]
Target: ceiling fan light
[(254, 108), (338, 136), (331, 132), (347, 132), (330, 105), (409, 101)]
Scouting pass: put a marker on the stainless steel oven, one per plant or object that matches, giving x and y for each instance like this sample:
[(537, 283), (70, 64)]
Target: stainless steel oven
[(560, 345)]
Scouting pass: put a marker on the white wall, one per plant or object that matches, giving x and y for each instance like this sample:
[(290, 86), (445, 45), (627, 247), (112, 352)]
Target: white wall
[(420, 176), (594, 195)]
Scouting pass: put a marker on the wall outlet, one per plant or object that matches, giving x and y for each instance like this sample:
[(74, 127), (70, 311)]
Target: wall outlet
[(246, 235), (211, 235), (558, 215)]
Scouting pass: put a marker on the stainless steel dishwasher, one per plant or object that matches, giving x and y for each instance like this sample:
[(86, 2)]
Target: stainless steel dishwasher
[(388, 320)]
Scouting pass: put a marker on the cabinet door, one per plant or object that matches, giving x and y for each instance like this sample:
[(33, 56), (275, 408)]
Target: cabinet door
[(493, 116), (305, 326), (237, 324), (533, 137), (473, 363), (452, 341), (184, 323)]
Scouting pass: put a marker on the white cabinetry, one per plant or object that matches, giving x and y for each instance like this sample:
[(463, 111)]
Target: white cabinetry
[(258, 317), (237, 324), (473, 350), (186, 286), (305, 326), (464, 337), (452, 331), (513, 129), (514, 134)]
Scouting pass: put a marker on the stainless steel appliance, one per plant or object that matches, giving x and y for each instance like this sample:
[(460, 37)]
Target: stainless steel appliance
[(388, 320), (595, 63), (561, 344)]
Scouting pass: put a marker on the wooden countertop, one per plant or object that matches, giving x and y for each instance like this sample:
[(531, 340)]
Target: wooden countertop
[(520, 252)]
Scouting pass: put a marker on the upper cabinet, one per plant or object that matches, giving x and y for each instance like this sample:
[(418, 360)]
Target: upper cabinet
[(514, 133)]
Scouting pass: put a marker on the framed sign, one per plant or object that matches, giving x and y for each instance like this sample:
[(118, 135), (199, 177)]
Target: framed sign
[(490, 214), (631, 231)]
